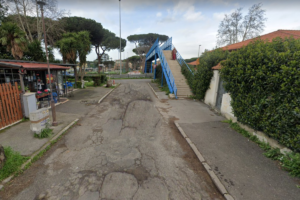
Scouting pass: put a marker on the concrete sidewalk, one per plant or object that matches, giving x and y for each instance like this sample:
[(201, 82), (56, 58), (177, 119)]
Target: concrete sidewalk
[(20, 138), (239, 163)]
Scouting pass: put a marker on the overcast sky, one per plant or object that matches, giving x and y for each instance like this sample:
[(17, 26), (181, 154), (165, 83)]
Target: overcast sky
[(189, 22)]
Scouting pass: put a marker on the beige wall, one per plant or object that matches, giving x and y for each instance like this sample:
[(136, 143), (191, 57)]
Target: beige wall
[(211, 97), (226, 108), (211, 93)]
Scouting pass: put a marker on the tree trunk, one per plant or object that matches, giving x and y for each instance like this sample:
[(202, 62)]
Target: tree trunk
[(26, 23), (38, 28), (22, 25), (2, 157)]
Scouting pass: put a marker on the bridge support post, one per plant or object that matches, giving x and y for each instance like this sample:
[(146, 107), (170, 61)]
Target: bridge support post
[(162, 77), (155, 67)]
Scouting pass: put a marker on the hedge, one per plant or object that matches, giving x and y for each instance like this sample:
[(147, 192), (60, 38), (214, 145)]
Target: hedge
[(200, 81), (98, 80), (263, 79)]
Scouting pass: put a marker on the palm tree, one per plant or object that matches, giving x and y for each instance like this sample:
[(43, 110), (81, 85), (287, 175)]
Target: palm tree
[(14, 39), (84, 48), (68, 46), (74, 45)]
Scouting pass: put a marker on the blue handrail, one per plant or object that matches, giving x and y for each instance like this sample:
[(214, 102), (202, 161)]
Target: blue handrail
[(167, 72), (156, 43)]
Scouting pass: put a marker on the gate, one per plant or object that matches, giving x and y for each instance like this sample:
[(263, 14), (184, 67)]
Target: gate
[(10, 104), (221, 91)]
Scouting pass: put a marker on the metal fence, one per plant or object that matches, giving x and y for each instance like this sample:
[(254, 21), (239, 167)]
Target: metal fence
[(131, 76)]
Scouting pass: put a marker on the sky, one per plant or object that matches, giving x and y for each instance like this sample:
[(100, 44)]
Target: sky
[(190, 23)]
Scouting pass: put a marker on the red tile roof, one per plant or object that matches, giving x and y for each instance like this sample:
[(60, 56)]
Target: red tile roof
[(269, 36), (38, 66), (218, 66), (196, 62)]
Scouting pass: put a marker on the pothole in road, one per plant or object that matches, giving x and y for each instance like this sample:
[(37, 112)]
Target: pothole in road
[(88, 102)]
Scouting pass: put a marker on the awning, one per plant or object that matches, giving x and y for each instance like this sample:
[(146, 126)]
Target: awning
[(32, 66)]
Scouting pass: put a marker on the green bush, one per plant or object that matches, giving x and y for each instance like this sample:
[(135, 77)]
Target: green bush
[(263, 79), (78, 84), (99, 80), (199, 83), (158, 76)]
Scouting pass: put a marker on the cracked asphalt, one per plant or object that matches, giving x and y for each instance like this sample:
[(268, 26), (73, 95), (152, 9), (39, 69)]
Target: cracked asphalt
[(123, 148)]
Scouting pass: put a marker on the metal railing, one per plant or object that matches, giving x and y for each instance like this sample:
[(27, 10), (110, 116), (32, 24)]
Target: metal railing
[(180, 60), (167, 71), (151, 52), (167, 45)]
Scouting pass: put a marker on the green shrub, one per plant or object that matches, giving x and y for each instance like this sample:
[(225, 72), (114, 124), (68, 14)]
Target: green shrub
[(158, 76), (263, 79), (99, 80), (199, 83), (45, 133)]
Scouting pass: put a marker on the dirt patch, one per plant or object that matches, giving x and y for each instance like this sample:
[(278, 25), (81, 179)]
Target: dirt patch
[(165, 110), (193, 162), (164, 100)]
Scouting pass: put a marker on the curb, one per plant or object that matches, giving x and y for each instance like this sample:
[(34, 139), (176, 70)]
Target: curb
[(211, 173), (38, 151), (5, 127), (108, 93), (153, 90)]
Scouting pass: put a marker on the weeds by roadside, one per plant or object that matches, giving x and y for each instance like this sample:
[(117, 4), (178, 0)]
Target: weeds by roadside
[(163, 88), (45, 133), (13, 162), (289, 161)]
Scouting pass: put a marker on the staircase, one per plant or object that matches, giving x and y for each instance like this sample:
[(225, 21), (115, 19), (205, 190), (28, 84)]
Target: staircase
[(183, 89), (171, 68)]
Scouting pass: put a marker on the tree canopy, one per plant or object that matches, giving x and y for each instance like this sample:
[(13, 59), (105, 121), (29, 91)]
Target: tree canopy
[(143, 43), (77, 24)]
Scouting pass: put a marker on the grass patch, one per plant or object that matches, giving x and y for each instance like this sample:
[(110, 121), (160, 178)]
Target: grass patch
[(163, 88), (41, 153), (46, 132), (290, 161), (89, 84), (13, 162)]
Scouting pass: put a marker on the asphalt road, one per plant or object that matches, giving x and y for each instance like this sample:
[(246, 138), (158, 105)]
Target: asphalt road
[(123, 148)]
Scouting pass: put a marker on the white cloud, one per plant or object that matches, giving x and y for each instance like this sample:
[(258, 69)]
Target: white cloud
[(158, 14), (191, 15), (220, 16), (185, 9)]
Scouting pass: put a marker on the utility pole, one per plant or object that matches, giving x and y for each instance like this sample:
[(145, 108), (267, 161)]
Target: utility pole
[(199, 51), (120, 37), (54, 122)]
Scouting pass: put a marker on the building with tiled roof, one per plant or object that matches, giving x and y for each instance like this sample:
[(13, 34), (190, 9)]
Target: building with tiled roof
[(195, 63), (270, 36)]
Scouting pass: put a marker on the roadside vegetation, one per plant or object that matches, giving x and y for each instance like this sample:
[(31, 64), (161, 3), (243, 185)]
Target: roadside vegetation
[(12, 164), (289, 161)]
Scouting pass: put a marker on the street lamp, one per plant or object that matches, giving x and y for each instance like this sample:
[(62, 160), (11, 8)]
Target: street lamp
[(199, 51), (54, 122), (120, 36)]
